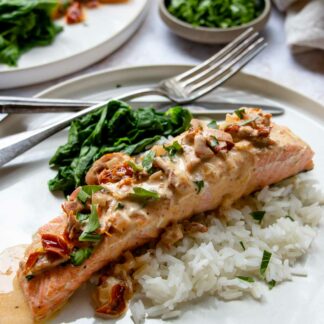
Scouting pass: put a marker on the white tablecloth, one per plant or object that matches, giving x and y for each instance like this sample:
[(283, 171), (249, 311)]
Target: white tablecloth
[(155, 44)]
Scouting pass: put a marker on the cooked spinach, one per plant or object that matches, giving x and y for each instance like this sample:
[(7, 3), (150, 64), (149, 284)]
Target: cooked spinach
[(215, 13), (25, 24), (114, 128)]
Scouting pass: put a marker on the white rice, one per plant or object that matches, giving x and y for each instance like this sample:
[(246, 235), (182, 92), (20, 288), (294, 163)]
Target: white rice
[(210, 263)]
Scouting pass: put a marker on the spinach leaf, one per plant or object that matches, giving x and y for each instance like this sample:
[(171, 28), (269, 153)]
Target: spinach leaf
[(113, 128), (25, 24)]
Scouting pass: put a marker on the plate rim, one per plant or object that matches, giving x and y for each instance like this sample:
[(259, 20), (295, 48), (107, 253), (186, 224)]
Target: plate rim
[(255, 78)]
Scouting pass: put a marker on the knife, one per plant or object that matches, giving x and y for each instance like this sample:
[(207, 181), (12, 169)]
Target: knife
[(17, 105)]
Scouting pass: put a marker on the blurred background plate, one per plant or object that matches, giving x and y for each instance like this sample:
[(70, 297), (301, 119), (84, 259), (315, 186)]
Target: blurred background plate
[(104, 30)]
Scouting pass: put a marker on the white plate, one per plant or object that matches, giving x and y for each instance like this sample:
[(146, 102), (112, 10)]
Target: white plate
[(104, 30), (27, 203)]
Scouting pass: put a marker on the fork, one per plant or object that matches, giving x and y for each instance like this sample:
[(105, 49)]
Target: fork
[(184, 88)]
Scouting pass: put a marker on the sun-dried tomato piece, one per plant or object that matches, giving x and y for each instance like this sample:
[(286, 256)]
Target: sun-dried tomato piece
[(55, 244), (116, 174), (116, 303), (74, 13), (31, 261)]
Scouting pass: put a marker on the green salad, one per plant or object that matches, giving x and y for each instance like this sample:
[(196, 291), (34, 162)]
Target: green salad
[(114, 128), (25, 24), (215, 13)]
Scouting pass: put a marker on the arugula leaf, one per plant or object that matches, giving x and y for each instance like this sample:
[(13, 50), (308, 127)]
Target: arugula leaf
[(25, 24), (86, 192), (247, 279), (240, 113), (199, 185), (213, 124), (258, 215), (113, 128), (148, 160), (134, 166), (144, 195), (173, 149), (80, 255), (215, 13), (265, 262)]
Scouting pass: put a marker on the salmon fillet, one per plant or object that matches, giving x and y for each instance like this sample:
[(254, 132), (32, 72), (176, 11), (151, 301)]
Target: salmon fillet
[(200, 170)]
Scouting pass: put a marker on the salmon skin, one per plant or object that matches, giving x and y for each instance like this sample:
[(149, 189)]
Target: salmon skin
[(131, 200)]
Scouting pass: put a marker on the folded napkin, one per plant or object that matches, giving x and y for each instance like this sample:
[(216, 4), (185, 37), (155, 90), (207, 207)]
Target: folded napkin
[(304, 24)]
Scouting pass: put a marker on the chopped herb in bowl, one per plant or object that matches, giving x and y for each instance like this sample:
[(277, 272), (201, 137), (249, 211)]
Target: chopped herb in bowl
[(216, 13)]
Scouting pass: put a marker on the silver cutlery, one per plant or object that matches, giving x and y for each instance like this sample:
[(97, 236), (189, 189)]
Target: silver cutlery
[(15, 105), (184, 88)]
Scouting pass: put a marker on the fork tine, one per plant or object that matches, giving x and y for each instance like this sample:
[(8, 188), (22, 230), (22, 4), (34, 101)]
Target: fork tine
[(250, 49), (194, 94), (215, 57), (220, 62)]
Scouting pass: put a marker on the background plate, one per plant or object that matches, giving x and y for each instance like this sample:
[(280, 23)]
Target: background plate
[(104, 30), (27, 203)]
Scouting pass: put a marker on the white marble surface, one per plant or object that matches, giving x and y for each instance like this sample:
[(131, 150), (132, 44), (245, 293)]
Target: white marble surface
[(155, 44)]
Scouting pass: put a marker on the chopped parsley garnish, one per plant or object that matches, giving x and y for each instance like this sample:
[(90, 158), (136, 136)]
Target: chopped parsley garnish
[(242, 244), (148, 160), (134, 166), (213, 124), (120, 206), (87, 191), (199, 185), (144, 195), (290, 218), (240, 113), (265, 262), (91, 226), (79, 256), (247, 279), (174, 149), (246, 122), (271, 284), (29, 277), (258, 215)]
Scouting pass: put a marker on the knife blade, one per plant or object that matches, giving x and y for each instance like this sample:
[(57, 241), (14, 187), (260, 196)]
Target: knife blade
[(201, 108)]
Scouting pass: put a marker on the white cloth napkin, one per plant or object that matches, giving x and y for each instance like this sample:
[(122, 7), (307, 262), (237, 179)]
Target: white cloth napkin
[(304, 24)]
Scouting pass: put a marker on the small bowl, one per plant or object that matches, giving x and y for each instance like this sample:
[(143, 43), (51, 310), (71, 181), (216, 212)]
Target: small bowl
[(209, 35)]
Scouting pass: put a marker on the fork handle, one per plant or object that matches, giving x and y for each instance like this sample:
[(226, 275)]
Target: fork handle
[(18, 146)]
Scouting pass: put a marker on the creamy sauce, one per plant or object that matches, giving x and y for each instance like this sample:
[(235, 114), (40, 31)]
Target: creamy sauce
[(13, 306)]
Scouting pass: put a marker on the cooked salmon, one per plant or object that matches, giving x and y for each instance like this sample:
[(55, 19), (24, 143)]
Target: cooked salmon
[(131, 200)]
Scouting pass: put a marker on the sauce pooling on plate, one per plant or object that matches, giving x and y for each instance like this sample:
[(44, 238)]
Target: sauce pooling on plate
[(13, 307)]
